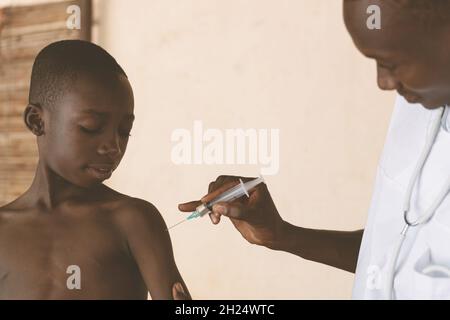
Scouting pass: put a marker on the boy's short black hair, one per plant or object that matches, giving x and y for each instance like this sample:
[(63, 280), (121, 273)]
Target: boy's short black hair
[(57, 66)]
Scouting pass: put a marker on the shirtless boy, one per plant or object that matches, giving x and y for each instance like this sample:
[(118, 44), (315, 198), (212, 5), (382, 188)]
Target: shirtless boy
[(81, 112)]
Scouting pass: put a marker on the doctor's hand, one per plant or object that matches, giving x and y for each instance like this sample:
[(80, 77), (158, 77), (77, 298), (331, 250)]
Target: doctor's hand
[(255, 217)]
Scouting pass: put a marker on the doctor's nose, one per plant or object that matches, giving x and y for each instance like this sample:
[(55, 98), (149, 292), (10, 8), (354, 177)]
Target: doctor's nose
[(386, 80)]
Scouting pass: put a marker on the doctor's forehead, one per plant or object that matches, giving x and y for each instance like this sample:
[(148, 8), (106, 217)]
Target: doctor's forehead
[(409, 14), (397, 31)]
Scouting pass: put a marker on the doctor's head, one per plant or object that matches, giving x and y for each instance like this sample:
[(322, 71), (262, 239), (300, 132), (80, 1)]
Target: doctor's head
[(411, 47)]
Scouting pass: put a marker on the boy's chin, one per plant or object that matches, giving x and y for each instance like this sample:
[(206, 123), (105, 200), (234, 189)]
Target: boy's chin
[(92, 184), (86, 182)]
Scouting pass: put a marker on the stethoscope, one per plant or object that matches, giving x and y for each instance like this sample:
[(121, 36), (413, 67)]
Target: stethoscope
[(428, 214)]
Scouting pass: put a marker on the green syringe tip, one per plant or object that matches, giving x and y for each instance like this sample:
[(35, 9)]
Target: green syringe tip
[(194, 214)]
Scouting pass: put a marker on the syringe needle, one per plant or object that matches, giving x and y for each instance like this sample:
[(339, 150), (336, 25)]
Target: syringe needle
[(177, 224)]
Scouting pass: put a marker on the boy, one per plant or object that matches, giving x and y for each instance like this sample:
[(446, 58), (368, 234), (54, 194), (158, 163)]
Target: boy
[(69, 236)]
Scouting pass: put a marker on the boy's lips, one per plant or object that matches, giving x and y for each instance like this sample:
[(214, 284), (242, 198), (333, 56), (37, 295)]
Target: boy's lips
[(101, 171)]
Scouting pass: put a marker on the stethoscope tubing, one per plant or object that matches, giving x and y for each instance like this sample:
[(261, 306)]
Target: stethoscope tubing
[(393, 258)]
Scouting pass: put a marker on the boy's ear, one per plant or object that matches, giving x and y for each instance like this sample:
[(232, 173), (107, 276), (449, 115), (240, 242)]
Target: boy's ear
[(33, 117)]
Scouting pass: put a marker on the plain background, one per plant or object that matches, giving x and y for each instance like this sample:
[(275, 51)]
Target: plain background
[(262, 64)]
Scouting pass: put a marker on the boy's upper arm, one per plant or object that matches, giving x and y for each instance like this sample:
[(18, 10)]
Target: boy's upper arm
[(150, 245)]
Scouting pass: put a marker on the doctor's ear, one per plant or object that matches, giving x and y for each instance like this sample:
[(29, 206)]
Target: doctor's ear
[(33, 117)]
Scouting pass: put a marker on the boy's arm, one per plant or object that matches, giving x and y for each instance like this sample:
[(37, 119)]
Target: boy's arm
[(150, 245)]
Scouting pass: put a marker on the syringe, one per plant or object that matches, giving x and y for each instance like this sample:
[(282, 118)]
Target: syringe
[(229, 195)]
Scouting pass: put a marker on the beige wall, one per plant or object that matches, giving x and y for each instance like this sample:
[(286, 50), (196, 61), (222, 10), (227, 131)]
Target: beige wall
[(260, 64)]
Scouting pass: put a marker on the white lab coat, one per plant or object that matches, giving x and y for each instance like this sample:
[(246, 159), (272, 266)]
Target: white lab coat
[(424, 246)]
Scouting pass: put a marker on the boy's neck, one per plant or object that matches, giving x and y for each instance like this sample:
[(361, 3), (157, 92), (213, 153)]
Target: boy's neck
[(49, 191)]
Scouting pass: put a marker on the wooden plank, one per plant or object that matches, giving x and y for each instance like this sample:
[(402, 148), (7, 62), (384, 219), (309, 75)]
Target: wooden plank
[(20, 177), (15, 76), (37, 14), (18, 145), (23, 175), (7, 136), (18, 32), (15, 48), (12, 86), (22, 52), (16, 70), (13, 108), (2, 19), (16, 164), (10, 96), (44, 34), (86, 19), (12, 124), (13, 191)]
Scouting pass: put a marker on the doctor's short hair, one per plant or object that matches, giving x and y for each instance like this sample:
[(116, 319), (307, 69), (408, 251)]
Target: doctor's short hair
[(426, 11), (58, 65)]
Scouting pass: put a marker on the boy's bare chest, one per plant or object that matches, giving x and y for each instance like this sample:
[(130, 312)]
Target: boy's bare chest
[(49, 255)]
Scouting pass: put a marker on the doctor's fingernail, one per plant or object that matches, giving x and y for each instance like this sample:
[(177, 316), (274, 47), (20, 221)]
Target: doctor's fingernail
[(218, 208)]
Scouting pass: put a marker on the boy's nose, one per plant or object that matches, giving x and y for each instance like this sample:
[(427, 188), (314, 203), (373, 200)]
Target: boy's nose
[(386, 80), (110, 147)]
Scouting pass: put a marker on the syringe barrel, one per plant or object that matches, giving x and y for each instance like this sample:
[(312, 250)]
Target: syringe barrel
[(203, 209), (229, 195)]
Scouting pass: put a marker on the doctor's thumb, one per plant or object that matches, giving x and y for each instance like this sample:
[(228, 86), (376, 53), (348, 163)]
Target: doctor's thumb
[(231, 210)]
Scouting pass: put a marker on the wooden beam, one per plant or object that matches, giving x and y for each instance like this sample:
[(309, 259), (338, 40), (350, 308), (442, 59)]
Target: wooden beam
[(86, 20)]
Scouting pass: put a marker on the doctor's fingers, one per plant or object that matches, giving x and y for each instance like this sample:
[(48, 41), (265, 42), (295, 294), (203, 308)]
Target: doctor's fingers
[(215, 190), (189, 206), (234, 210), (192, 205), (215, 217), (226, 180)]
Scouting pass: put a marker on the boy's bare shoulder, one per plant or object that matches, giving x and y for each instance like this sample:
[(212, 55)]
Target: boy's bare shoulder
[(130, 207), (135, 213)]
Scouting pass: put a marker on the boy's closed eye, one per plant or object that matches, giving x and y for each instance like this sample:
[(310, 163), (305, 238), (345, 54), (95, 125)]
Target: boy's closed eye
[(93, 130)]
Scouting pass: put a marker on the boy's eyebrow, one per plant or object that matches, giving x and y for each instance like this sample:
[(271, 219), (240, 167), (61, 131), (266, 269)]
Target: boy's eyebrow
[(102, 114)]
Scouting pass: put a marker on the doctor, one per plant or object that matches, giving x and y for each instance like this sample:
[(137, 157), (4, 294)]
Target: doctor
[(403, 252)]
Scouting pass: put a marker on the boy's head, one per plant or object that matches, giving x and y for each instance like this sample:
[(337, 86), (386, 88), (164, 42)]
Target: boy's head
[(412, 48), (81, 109)]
